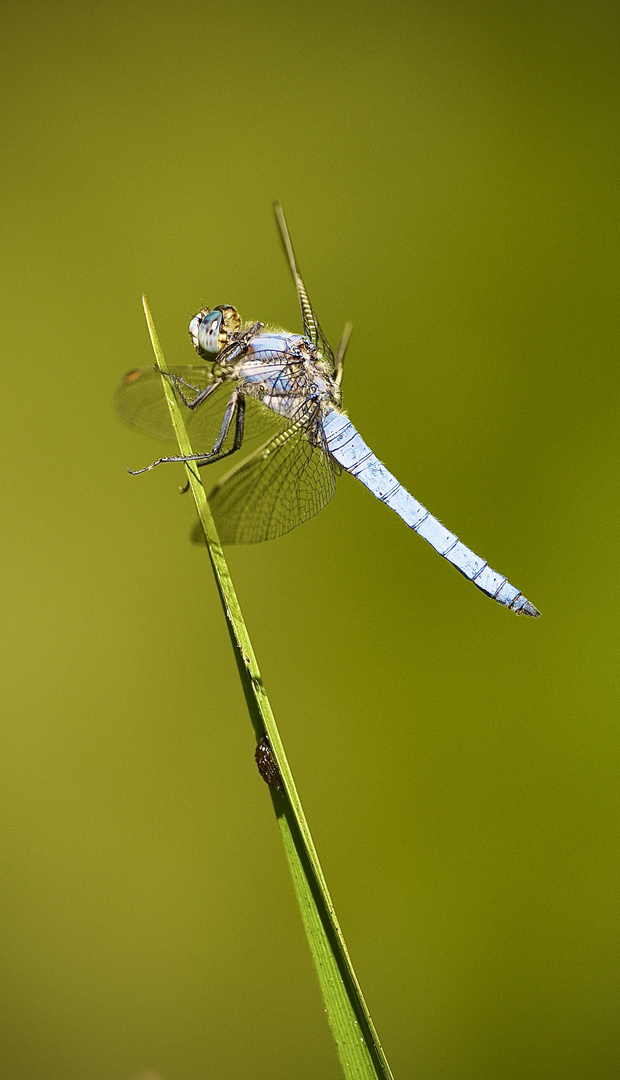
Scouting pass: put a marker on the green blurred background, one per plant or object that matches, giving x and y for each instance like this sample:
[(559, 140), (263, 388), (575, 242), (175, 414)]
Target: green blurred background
[(449, 172)]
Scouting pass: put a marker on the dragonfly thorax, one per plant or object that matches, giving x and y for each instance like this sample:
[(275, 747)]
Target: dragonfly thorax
[(214, 328)]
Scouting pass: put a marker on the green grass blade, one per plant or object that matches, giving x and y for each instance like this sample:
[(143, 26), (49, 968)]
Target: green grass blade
[(359, 1050)]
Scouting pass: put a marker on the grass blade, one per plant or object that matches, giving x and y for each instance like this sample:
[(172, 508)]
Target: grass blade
[(359, 1050)]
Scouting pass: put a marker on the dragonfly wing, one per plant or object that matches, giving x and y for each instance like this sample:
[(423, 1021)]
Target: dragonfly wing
[(281, 484), (312, 328), (140, 402)]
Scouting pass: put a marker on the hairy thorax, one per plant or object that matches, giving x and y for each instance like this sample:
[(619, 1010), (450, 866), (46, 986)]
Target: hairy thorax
[(285, 372)]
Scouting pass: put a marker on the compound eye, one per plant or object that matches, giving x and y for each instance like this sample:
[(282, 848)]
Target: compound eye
[(205, 332)]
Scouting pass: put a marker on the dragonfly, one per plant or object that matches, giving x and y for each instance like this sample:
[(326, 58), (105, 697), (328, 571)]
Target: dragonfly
[(258, 381)]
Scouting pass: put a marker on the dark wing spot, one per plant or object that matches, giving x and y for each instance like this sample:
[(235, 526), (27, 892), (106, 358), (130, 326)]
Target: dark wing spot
[(132, 376)]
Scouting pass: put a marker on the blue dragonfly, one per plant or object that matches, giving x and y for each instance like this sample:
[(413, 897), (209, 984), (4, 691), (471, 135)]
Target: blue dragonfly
[(264, 381)]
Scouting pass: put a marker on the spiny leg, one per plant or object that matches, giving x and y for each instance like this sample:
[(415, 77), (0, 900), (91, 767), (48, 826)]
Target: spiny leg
[(236, 406), (202, 395), (177, 380), (237, 442), (239, 344), (239, 433)]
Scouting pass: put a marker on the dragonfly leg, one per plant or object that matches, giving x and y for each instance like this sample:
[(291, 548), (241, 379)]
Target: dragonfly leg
[(177, 380), (235, 408), (239, 346), (237, 441), (238, 437), (201, 395)]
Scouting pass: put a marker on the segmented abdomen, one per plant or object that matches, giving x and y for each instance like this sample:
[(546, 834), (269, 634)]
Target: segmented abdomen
[(349, 449)]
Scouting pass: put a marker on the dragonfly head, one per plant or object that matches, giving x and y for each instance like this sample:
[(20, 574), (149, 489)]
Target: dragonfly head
[(213, 328)]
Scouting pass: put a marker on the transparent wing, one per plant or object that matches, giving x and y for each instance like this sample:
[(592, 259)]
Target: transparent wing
[(283, 483), (312, 328), (140, 402)]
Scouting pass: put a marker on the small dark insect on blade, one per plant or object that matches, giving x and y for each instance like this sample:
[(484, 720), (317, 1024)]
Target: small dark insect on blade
[(267, 764)]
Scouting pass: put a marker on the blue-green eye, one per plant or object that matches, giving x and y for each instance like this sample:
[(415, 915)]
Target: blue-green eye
[(205, 332)]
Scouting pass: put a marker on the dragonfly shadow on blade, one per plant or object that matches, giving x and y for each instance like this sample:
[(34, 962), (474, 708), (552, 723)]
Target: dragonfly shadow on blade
[(265, 380)]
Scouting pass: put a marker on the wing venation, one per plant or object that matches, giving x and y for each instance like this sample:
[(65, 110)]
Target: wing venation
[(281, 484), (140, 402)]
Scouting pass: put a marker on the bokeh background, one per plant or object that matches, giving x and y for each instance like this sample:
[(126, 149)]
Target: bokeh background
[(449, 171)]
